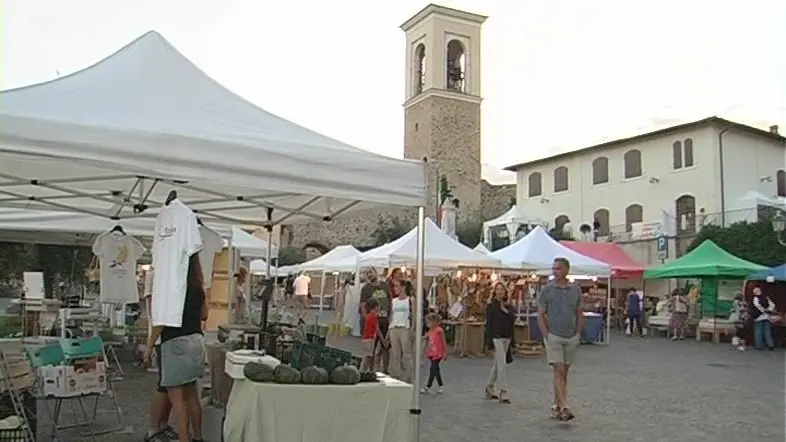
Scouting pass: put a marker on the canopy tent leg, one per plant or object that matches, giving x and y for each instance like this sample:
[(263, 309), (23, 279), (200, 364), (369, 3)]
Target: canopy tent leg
[(321, 299), (268, 258), (607, 326), (418, 317)]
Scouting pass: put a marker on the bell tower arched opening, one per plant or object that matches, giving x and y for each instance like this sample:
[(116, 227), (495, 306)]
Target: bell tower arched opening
[(456, 66)]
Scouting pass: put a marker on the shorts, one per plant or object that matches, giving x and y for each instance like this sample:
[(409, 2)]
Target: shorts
[(301, 301), (159, 388), (368, 347), (559, 350), (182, 360)]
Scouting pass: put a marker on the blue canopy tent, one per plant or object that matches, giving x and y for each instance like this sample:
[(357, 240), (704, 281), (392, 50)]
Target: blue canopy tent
[(777, 273)]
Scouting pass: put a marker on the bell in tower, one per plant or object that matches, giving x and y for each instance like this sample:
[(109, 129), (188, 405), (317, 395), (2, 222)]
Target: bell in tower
[(420, 66), (455, 66)]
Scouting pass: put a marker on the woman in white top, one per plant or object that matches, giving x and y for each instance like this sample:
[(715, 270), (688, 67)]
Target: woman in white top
[(400, 333)]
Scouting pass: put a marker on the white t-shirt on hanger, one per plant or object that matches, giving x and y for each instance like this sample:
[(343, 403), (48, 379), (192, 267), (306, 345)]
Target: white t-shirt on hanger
[(176, 239), (117, 256), (212, 243)]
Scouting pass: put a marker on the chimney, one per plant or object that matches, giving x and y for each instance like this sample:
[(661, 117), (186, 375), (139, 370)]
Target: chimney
[(774, 129)]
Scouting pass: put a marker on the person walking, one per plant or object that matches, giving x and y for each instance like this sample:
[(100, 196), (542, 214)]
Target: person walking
[(635, 309), (739, 314), (379, 290), (763, 310), (560, 318), (499, 325), (679, 308), (436, 352), (400, 333)]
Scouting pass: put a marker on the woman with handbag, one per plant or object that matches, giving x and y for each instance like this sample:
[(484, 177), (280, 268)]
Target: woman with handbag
[(500, 321)]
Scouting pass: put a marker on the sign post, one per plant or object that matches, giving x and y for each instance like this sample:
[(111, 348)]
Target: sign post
[(663, 248)]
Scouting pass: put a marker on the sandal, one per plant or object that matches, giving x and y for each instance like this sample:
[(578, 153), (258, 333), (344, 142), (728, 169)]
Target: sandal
[(554, 412), (566, 415), (503, 397), (490, 395)]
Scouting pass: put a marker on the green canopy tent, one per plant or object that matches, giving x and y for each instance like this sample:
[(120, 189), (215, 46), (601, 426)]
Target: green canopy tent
[(711, 264)]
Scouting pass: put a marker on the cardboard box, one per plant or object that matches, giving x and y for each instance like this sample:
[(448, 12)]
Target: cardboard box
[(68, 381)]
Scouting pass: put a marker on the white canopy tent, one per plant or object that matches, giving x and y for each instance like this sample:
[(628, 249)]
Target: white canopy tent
[(441, 252), (511, 220), (482, 249), (339, 259), (260, 267), (536, 252), (69, 228), (113, 139)]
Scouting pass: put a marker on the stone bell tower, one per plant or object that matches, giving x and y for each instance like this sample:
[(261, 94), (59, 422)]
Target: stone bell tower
[(442, 102)]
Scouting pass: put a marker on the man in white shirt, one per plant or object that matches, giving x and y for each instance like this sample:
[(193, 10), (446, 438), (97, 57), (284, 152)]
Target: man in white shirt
[(763, 310), (302, 293)]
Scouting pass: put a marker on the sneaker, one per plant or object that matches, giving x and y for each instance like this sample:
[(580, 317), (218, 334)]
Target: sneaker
[(440, 390), (424, 390), (554, 414), (566, 415), (503, 397), (166, 435), (674, 338), (740, 348), (490, 395)]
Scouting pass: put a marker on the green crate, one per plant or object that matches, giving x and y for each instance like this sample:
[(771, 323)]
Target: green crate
[(306, 354)]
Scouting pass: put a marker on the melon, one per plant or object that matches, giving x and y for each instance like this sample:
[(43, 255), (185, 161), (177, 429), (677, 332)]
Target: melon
[(345, 375), (286, 374), (314, 375), (256, 372)]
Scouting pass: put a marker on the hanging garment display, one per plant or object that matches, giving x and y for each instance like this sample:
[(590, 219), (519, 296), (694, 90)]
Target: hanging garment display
[(117, 255), (176, 239), (212, 243)]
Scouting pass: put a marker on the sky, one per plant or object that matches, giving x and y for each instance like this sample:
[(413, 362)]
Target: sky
[(556, 75)]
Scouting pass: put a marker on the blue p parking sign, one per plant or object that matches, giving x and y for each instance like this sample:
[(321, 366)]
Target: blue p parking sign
[(663, 247)]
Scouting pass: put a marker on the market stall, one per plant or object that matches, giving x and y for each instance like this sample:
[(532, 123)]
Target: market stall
[(341, 259), (120, 138), (720, 273), (508, 228)]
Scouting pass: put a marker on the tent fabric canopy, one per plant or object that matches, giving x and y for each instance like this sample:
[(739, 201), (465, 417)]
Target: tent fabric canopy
[(115, 137), (778, 273), (536, 252), (511, 220), (706, 260), (622, 265), (69, 228), (339, 259), (441, 252), (482, 249)]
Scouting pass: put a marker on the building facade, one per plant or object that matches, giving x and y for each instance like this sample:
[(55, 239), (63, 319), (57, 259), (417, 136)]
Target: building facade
[(677, 178), (442, 102)]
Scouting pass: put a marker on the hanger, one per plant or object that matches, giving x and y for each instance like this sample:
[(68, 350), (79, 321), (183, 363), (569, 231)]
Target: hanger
[(171, 197), (118, 228)]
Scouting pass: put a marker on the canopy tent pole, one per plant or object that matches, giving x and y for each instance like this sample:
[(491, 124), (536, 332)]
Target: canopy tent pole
[(268, 258), (321, 298), (418, 317), (608, 310)]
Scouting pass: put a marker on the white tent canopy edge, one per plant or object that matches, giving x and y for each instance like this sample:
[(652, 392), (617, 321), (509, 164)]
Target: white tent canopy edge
[(112, 140)]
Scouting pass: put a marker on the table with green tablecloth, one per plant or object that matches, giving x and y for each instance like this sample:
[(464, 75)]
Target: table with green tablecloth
[(367, 412)]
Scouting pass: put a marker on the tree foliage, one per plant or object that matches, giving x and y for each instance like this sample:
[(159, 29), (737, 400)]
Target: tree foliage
[(60, 264), (755, 242), (288, 256), (470, 230)]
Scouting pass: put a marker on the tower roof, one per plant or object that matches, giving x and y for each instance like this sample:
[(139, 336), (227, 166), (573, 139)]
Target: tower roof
[(442, 10)]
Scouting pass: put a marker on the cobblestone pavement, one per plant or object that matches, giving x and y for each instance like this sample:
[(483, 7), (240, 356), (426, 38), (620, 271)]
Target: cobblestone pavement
[(633, 390)]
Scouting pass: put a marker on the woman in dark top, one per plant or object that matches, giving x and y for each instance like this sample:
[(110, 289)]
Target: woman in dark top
[(500, 321), (183, 358)]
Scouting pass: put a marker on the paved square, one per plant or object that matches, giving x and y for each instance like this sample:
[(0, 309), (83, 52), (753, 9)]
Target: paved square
[(646, 390)]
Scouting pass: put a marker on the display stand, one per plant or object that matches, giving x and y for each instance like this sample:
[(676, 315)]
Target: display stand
[(527, 347)]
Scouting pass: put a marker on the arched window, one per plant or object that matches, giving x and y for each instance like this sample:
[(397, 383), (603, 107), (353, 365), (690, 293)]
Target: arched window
[(535, 184), (420, 68), (676, 152), (600, 170), (633, 214), (780, 182), (687, 152), (632, 163), (685, 208), (561, 180), (601, 217), (456, 66)]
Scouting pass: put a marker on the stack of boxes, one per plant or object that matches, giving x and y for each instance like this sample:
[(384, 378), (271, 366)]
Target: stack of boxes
[(80, 369)]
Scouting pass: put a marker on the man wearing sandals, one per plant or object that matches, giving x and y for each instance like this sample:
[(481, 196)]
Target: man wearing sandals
[(560, 318)]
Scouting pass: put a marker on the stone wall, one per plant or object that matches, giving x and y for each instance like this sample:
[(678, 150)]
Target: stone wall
[(495, 200)]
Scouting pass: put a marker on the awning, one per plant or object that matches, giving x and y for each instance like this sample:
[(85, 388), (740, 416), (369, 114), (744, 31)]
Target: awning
[(622, 265)]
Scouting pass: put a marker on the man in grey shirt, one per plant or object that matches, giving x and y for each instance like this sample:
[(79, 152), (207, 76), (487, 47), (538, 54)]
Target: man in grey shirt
[(561, 319)]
